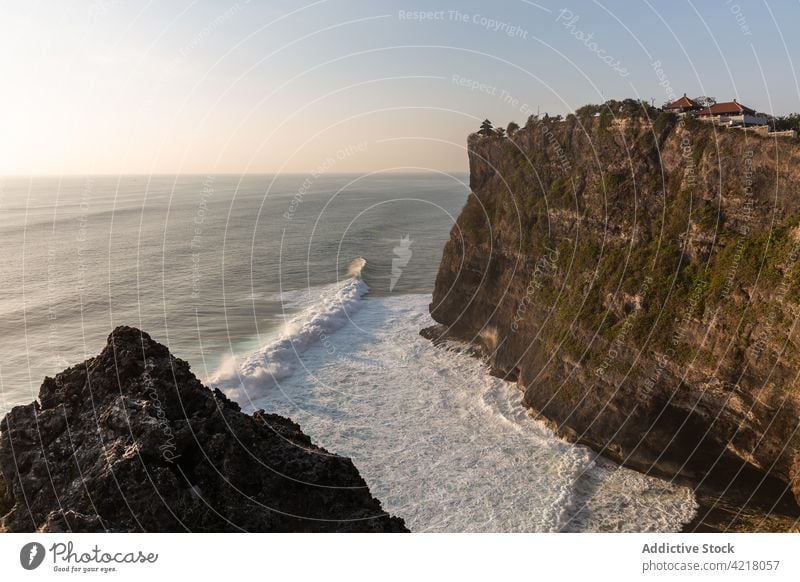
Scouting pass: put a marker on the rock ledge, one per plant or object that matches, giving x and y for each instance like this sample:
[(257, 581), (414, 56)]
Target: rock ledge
[(130, 440)]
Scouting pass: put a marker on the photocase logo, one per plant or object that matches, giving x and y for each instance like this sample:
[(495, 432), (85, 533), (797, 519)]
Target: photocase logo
[(402, 253), (31, 555)]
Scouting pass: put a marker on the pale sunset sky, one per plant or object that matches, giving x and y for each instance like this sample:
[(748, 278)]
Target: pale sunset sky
[(214, 86)]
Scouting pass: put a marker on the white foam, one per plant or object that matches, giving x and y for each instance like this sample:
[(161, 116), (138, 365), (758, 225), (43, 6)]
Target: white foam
[(246, 377), (450, 448)]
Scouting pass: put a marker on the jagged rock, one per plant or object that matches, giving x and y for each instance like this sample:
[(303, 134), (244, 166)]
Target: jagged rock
[(131, 441), (640, 283)]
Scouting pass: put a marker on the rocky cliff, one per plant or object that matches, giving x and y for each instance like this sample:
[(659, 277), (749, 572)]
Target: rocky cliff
[(131, 441), (636, 274)]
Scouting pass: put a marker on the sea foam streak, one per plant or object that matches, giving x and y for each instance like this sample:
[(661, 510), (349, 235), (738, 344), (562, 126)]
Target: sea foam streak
[(449, 447), (243, 378)]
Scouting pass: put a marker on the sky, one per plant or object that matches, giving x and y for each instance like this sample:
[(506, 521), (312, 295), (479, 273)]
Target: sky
[(214, 86)]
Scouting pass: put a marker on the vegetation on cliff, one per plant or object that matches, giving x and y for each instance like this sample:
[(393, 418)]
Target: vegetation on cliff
[(664, 336), (675, 228)]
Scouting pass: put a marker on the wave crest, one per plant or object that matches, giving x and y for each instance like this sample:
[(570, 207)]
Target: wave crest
[(242, 378)]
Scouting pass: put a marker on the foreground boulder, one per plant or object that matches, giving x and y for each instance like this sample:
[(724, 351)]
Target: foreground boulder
[(131, 441)]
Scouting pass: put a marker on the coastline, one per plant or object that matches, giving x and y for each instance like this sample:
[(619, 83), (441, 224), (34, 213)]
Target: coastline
[(616, 314), (721, 506), (160, 452)]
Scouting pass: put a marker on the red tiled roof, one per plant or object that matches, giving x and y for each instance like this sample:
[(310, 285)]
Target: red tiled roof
[(728, 108), (683, 103)]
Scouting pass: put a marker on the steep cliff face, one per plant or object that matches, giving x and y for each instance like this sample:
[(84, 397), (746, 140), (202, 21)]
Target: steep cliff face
[(637, 276), (131, 441)]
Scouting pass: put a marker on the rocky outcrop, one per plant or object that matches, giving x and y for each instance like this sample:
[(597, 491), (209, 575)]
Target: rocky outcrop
[(636, 274), (131, 441)]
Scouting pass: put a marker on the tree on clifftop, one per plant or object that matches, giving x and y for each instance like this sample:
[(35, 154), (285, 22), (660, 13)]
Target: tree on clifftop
[(487, 128), (704, 101), (512, 128), (784, 122)]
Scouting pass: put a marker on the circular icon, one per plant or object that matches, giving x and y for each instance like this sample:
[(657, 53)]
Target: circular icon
[(31, 555)]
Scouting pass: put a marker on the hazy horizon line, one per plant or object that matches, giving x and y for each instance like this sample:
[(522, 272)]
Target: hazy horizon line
[(171, 174)]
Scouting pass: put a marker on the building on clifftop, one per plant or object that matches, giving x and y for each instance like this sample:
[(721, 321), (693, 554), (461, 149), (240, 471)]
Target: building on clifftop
[(683, 106), (731, 113)]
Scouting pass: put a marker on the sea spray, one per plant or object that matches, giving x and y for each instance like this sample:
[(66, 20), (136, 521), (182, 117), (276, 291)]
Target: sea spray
[(245, 377), (450, 447)]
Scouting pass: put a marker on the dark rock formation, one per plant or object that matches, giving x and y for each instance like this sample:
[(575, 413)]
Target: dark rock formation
[(131, 441), (636, 275)]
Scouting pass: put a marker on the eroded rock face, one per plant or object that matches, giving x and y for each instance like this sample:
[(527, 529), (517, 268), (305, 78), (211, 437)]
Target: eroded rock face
[(639, 280), (131, 441)]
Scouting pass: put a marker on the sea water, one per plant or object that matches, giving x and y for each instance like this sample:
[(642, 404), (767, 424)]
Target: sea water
[(306, 300)]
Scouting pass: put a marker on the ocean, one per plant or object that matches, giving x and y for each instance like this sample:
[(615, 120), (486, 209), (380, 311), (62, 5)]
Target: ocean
[(304, 295)]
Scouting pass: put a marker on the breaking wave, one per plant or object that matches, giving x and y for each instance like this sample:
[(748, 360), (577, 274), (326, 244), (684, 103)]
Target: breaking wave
[(450, 447), (328, 309)]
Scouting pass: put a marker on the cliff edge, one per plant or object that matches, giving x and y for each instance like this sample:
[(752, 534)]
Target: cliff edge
[(635, 273), (131, 441)]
